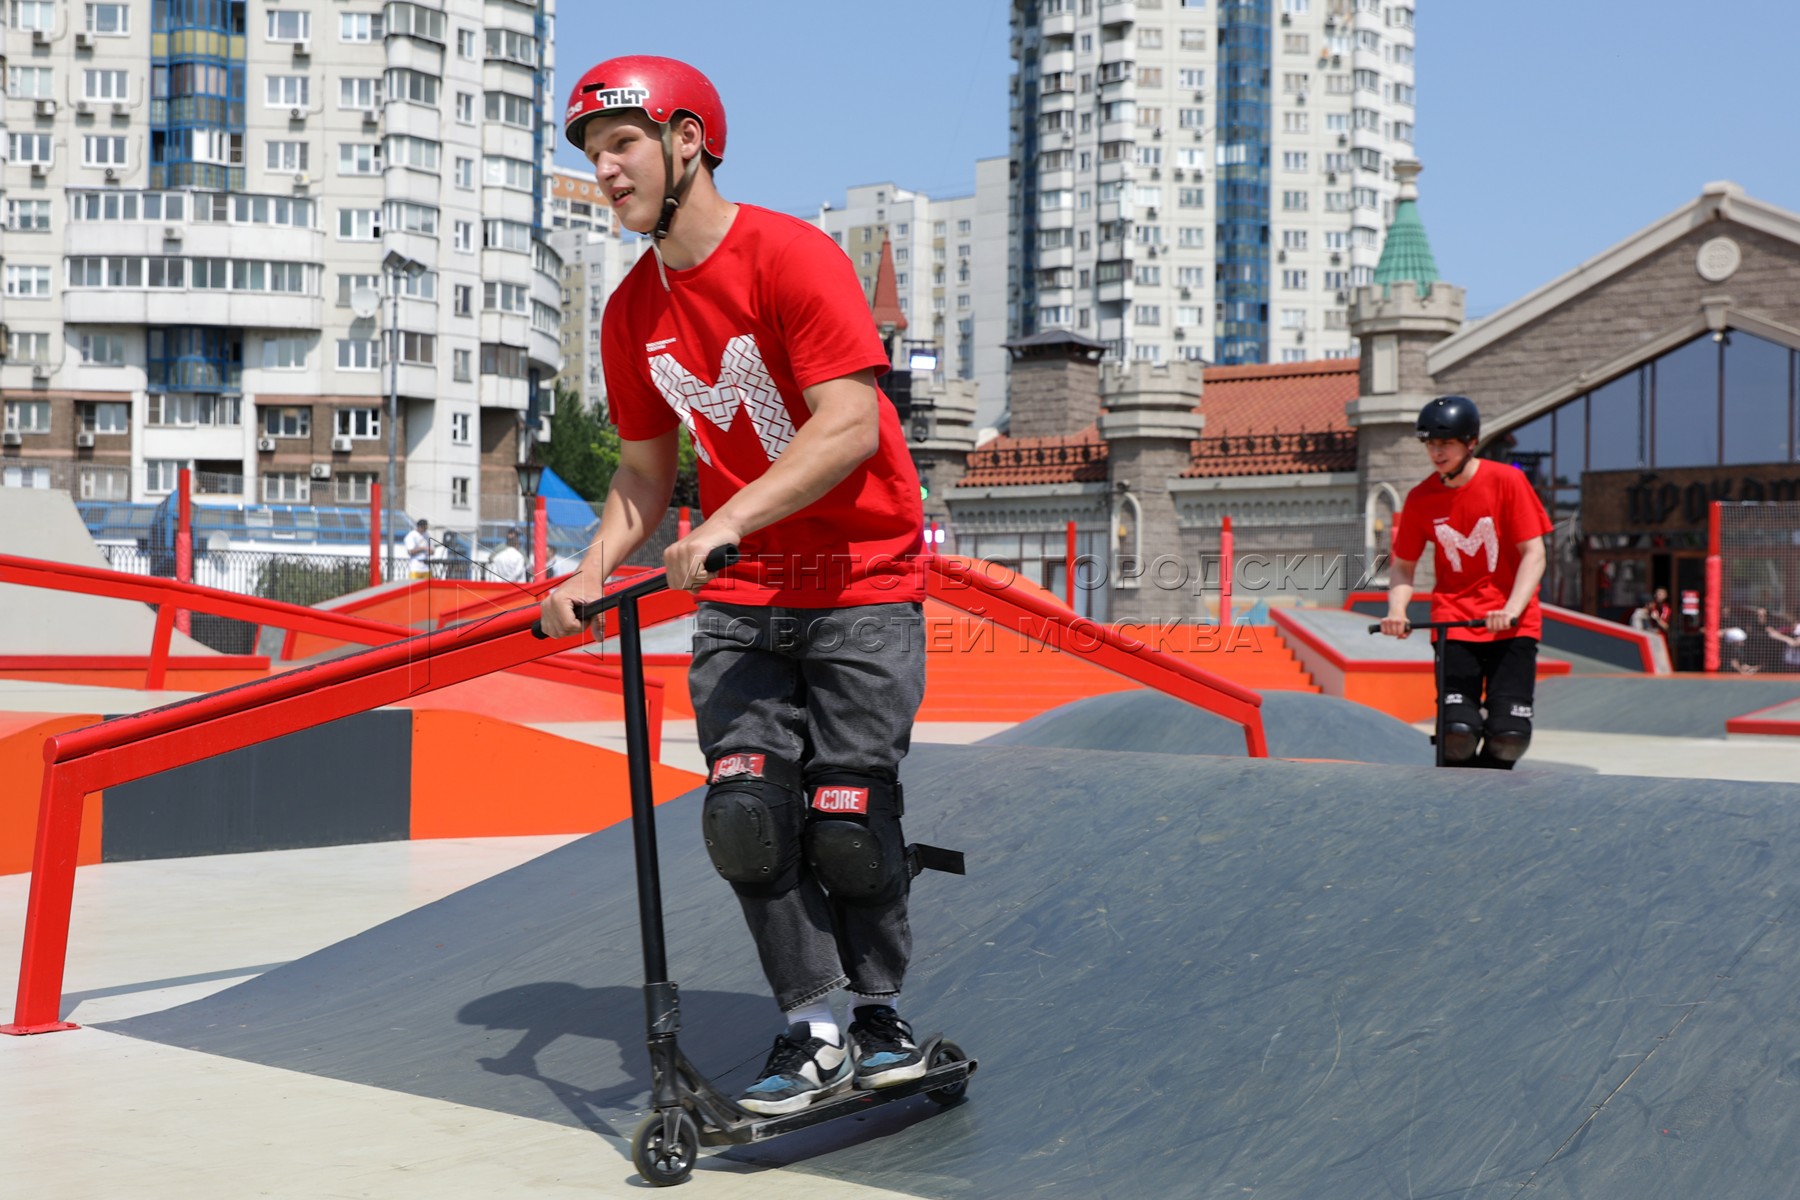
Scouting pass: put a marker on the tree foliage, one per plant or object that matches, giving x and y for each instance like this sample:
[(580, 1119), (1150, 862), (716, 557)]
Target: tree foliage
[(584, 451)]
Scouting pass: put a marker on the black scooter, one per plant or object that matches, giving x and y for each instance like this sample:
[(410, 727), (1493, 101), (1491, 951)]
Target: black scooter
[(689, 1112), (1437, 630)]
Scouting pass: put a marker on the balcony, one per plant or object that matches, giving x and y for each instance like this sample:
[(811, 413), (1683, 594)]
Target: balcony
[(1117, 12)]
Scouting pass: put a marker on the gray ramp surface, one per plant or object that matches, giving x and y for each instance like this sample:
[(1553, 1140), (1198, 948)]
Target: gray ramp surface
[(1669, 705), (1297, 725), (1184, 977)]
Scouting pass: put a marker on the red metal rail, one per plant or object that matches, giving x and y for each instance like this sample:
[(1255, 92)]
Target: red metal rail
[(985, 590), (117, 751), (100, 756), (167, 595)]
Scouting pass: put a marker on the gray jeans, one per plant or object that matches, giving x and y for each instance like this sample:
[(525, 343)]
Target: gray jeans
[(822, 689)]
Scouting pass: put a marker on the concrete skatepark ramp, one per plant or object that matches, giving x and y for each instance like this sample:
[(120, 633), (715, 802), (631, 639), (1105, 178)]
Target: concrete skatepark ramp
[(1184, 976), (1300, 725)]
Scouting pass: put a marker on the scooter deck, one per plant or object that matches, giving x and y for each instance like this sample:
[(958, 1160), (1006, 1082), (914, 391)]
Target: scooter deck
[(754, 1128)]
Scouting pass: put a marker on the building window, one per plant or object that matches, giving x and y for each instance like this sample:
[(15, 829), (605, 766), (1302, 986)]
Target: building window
[(106, 417), (287, 156), (1294, 280), (459, 491), (360, 27), (33, 14), (359, 158), (28, 416), (28, 281), (289, 25), (163, 474), (465, 107), (353, 487), (363, 424), (284, 353), (287, 422), (358, 354), (1295, 160), (1146, 314), (102, 350), (418, 349), (1294, 201), (113, 20), (106, 85), (284, 487), (465, 43), (460, 365), (104, 483), (287, 91), (359, 224), (464, 238), (102, 150), (461, 424)]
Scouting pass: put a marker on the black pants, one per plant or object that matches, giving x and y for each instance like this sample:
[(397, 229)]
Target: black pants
[(1490, 686)]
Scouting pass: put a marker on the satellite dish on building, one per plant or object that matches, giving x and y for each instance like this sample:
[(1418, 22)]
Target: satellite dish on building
[(365, 302)]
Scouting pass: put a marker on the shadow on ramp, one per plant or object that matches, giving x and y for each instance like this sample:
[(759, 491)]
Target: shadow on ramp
[(1184, 976), (1298, 725)]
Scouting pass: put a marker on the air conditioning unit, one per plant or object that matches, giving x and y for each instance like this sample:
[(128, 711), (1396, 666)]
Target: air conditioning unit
[(1200, 94), (12, 437), (40, 37), (172, 233), (340, 445), (1331, 177), (1187, 293), (1199, 135), (112, 173), (1300, 338), (40, 169), (84, 40), (1343, 139), (1150, 214), (321, 470), (82, 108), (1281, 256), (1337, 60), (1178, 174), (120, 108), (46, 108), (1343, 297), (301, 178), (84, 441), (1156, 172), (265, 445), (1180, 334), (1336, 258), (296, 114), (303, 48), (371, 117)]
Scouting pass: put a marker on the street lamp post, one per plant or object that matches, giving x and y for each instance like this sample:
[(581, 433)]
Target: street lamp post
[(531, 474), (398, 267)]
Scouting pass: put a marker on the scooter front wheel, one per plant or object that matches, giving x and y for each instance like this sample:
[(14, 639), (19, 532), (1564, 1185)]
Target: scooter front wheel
[(660, 1162)]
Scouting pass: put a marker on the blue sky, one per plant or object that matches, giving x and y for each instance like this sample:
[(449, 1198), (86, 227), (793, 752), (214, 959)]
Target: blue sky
[(1549, 129)]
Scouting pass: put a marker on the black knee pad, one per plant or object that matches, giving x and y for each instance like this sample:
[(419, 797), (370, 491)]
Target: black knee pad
[(752, 821), (854, 842), (1508, 733), (1462, 730)]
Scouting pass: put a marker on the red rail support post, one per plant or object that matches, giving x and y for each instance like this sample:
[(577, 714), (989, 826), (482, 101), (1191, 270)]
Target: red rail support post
[(158, 670), (684, 523), (1227, 569), (47, 908), (184, 537), (1714, 580), (375, 533), (1069, 565), (540, 538)]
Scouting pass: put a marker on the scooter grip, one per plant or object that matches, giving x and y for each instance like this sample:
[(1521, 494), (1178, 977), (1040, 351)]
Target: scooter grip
[(719, 558)]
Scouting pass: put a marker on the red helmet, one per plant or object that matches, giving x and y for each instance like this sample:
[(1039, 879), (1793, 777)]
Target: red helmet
[(660, 87)]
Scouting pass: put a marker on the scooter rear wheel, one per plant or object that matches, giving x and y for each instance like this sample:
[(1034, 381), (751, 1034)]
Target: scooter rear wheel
[(952, 1093), (660, 1163)]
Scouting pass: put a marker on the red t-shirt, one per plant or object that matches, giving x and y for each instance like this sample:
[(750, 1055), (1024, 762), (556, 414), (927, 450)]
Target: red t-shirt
[(727, 350), (1477, 529)]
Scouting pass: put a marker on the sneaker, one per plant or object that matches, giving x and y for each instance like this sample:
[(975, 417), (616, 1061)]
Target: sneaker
[(885, 1051), (801, 1068)]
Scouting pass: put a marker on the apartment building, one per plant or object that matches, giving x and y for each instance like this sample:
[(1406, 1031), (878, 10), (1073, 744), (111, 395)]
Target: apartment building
[(1204, 180), (949, 260), (595, 257), (231, 229)]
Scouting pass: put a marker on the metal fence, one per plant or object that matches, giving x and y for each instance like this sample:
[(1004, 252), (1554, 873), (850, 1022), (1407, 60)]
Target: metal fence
[(1759, 604)]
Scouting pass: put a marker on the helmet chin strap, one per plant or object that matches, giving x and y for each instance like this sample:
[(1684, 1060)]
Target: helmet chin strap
[(1448, 476), (674, 191)]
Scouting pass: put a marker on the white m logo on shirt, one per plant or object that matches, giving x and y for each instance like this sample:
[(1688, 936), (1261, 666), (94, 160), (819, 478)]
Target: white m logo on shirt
[(744, 384), (1455, 545)]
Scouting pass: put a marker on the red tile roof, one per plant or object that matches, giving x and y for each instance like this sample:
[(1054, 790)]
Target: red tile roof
[(1014, 462), (1277, 419), (1264, 419)]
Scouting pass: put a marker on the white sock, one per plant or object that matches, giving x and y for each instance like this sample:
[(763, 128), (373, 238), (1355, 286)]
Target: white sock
[(857, 1002), (819, 1017)]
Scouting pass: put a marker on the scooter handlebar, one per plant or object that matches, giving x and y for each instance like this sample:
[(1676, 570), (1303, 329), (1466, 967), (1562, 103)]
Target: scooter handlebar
[(719, 558), (1475, 624)]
